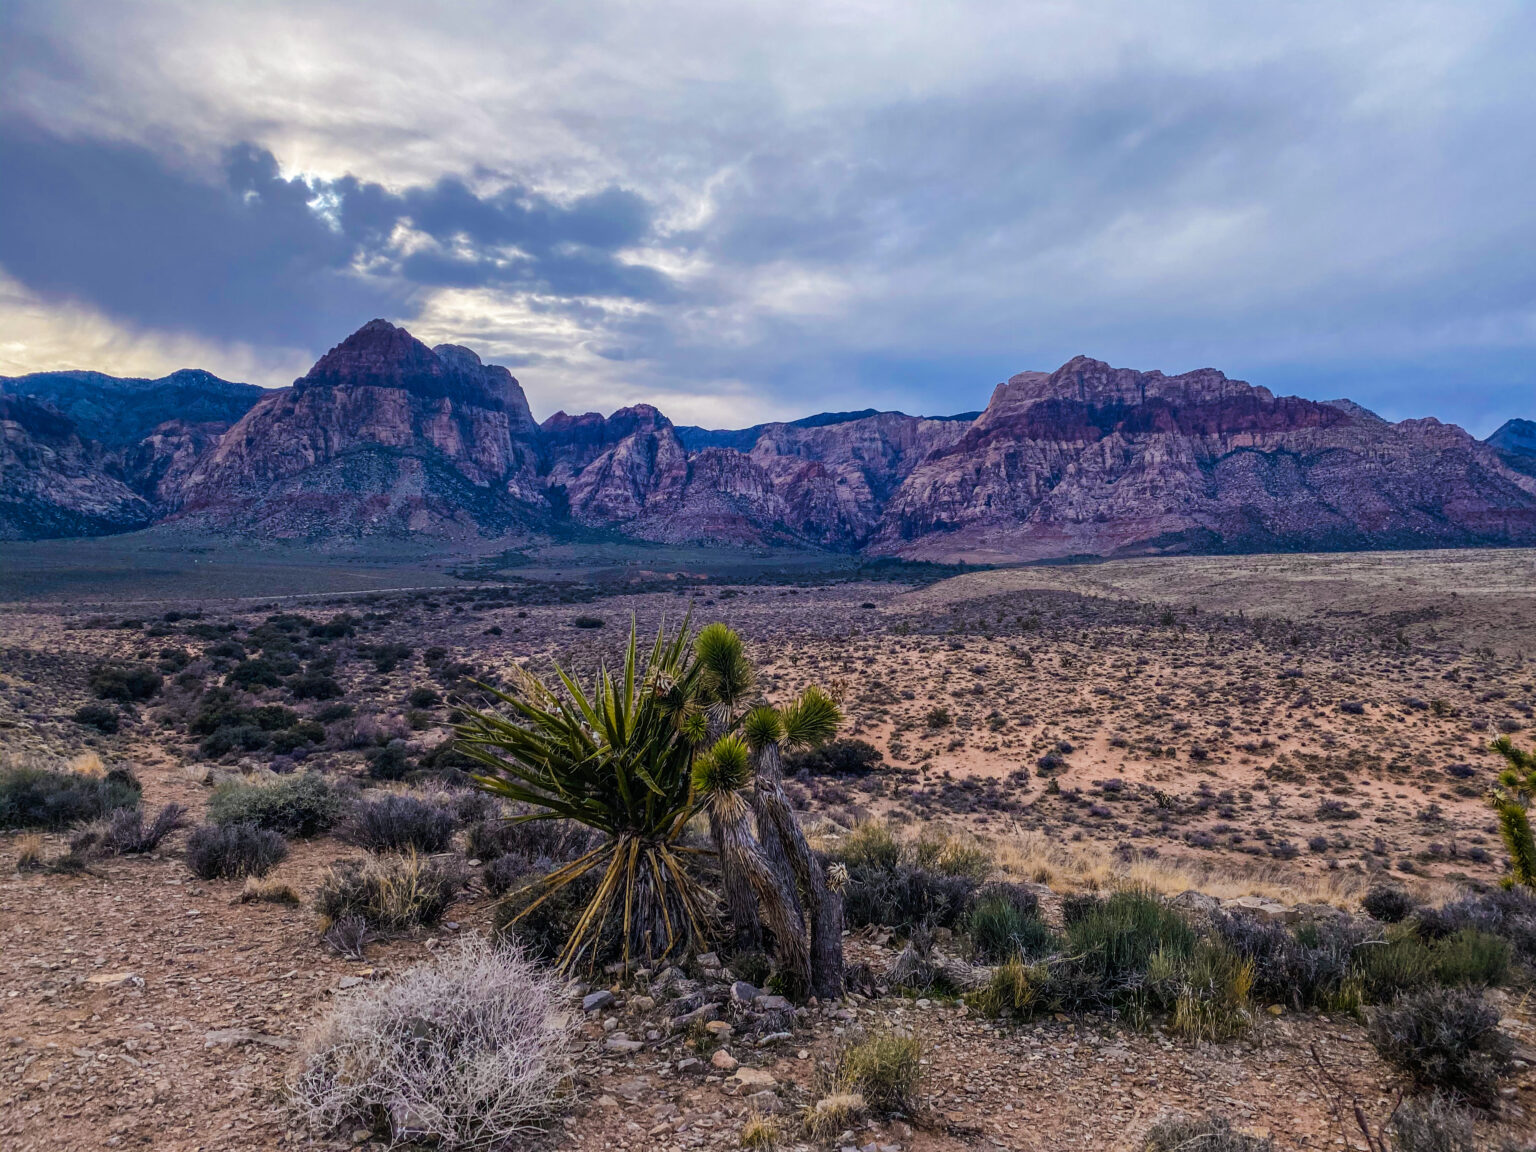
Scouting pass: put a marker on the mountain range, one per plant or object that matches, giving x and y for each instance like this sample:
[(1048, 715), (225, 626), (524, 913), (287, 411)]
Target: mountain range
[(385, 436)]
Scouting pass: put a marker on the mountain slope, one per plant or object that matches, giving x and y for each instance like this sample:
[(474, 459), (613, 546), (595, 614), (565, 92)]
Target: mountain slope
[(1101, 461), (121, 411), (54, 482), (1515, 442), (383, 435)]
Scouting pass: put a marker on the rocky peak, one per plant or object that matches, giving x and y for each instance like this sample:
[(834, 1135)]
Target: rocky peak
[(380, 355)]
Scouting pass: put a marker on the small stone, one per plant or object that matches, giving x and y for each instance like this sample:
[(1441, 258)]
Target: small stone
[(709, 960), (349, 982), (619, 1042), (593, 1001), (770, 1003), (803, 1054), (719, 1029), (744, 993), (689, 1064), (724, 1061)]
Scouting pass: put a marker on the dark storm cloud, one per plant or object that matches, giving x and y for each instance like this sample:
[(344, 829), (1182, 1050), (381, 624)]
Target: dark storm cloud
[(253, 256)]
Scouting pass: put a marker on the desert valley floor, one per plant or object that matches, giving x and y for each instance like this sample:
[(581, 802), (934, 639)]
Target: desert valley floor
[(1288, 727)]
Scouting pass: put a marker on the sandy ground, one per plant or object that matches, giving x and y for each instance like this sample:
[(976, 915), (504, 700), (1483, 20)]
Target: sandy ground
[(1288, 726)]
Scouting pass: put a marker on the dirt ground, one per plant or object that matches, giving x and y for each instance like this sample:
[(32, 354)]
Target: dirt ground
[(1291, 727)]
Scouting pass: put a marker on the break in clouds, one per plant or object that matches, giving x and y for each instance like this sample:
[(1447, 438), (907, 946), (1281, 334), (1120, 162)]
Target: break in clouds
[(771, 210)]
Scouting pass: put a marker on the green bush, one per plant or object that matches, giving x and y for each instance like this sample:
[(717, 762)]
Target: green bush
[(1473, 957), (231, 851), (102, 717), (125, 682), (33, 797), (871, 844), (1117, 937), (314, 686), (300, 805), (1002, 927), (1400, 963), (885, 1069)]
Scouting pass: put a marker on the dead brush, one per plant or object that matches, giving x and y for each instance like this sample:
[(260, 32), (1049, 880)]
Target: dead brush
[(269, 892), (29, 853), (393, 893)]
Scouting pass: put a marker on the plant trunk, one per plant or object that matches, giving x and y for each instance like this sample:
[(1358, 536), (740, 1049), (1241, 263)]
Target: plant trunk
[(746, 929), (779, 910), (778, 827)]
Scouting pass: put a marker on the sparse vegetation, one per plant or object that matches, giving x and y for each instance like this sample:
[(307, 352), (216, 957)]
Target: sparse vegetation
[(303, 804), (1444, 1039), (32, 796), (232, 851), (390, 893), (485, 1009)]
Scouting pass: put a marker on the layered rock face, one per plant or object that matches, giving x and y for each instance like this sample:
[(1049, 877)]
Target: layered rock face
[(1515, 442), (383, 435), (54, 482), (1092, 460)]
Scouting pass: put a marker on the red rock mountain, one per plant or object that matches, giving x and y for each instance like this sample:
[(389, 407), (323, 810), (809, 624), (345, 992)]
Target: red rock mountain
[(387, 436)]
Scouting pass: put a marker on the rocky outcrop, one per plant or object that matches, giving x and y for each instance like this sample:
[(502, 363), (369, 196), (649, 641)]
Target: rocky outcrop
[(54, 482), (1092, 460), (383, 435)]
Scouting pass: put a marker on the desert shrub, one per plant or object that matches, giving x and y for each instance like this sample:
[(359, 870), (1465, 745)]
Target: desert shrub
[(1117, 937), (1306, 968), (871, 845), (532, 841), (842, 757), (1207, 990), (759, 1132), (905, 897), (1509, 913), (303, 805), (1013, 986), (938, 717), (1005, 922), (1388, 903), (125, 682), (257, 673), (314, 686), (951, 855), (230, 851), (885, 1069), (1204, 1134), (505, 873), (333, 712), (1433, 1123), (301, 735), (390, 892), (29, 853), (466, 1051), (393, 823), (1400, 963), (587, 622), (102, 717), (124, 832), (1473, 957), (390, 762), (1444, 1039), (424, 697), (35, 797)]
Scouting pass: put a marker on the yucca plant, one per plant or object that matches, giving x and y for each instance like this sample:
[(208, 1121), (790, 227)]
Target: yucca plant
[(1511, 802), (618, 759)]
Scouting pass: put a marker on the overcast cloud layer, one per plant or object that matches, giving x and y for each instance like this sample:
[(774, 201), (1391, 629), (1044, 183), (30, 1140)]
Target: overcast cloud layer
[(746, 211)]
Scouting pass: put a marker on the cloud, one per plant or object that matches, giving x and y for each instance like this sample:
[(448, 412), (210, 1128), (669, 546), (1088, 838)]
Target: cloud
[(814, 205)]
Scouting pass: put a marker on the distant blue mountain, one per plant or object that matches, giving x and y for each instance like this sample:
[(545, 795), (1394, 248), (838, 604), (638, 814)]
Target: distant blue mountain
[(742, 439), (117, 411), (1515, 442)]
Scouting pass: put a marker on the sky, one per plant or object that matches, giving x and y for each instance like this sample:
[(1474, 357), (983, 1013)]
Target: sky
[(750, 211)]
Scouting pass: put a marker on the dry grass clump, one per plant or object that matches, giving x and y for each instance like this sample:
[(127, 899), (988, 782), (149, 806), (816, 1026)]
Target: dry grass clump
[(393, 893), (1085, 866), (269, 892), (885, 1069), (833, 1115), (29, 853), (467, 1051), (1203, 1134), (760, 1132)]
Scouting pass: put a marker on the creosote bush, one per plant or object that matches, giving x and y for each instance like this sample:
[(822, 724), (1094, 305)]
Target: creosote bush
[(393, 893), (1389, 903), (303, 804), (467, 1051), (1433, 1123), (230, 851), (124, 832), (43, 798), (1445, 1039)]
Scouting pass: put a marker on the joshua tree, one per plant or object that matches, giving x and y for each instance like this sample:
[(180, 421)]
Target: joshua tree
[(1511, 800), (629, 759)]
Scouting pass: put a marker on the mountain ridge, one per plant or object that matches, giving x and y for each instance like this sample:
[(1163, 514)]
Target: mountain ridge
[(387, 436)]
